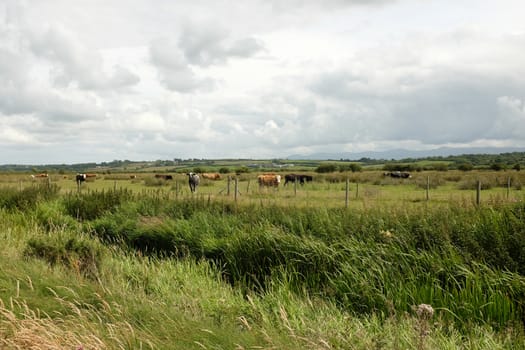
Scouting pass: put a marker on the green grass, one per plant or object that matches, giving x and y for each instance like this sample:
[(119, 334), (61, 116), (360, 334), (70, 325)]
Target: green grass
[(123, 265)]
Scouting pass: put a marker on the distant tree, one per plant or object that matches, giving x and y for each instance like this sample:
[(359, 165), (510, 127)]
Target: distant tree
[(465, 166), (242, 170), (354, 167), (224, 170), (398, 167), (440, 166), (517, 167), (497, 166), (326, 168)]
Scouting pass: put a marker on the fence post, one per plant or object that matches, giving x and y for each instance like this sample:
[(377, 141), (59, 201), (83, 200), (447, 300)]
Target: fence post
[(228, 186), (356, 189), (295, 187), (236, 189), (428, 186), (346, 192), (508, 187), (478, 191)]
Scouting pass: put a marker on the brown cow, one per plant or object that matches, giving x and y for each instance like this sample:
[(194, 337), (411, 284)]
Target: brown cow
[(269, 180), (40, 176), (211, 176)]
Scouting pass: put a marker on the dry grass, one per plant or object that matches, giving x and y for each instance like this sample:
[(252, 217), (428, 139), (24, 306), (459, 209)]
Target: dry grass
[(28, 329)]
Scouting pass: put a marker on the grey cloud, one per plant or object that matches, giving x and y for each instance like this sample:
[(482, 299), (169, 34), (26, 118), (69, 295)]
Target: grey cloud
[(74, 63), (295, 5), (245, 47), (446, 107), (197, 46), (204, 44), (174, 71)]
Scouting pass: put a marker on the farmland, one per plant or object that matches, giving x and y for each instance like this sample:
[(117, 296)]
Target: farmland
[(341, 262)]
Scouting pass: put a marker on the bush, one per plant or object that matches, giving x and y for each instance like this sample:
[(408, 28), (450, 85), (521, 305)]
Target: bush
[(326, 168), (82, 255), (27, 198), (467, 166), (94, 204)]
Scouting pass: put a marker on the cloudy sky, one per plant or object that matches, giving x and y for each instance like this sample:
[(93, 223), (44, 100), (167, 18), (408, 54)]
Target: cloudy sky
[(99, 80)]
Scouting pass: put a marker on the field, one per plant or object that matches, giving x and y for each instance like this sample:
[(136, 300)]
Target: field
[(367, 188), (348, 261)]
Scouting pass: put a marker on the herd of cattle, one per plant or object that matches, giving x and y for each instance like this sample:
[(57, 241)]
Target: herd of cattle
[(264, 180)]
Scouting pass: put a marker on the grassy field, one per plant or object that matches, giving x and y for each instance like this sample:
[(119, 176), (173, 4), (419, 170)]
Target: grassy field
[(367, 188), (140, 264)]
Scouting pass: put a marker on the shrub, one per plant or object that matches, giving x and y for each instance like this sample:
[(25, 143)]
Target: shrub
[(82, 255), (27, 198), (92, 205), (326, 168), (466, 166)]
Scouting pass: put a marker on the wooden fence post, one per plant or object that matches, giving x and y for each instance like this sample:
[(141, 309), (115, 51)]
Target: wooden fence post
[(478, 191), (428, 186), (346, 192), (236, 189), (508, 187)]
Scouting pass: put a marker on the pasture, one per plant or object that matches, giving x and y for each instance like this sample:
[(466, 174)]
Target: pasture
[(137, 262), (342, 189)]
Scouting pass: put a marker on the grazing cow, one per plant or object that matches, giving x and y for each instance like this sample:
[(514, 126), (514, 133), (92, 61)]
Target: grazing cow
[(297, 177), (85, 177), (398, 174), (164, 177), (193, 181), (80, 178), (40, 176), (211, 176), (306, 178), (269, 180)]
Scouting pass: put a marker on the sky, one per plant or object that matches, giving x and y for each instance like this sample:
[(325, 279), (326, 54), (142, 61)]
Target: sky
[(102, 80)]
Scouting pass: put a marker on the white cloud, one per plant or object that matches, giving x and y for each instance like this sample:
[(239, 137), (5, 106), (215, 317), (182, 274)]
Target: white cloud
[(135, 79)]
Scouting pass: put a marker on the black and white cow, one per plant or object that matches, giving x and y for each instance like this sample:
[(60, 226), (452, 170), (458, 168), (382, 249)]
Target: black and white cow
[(193, 181), (302, 179), (80, 178)]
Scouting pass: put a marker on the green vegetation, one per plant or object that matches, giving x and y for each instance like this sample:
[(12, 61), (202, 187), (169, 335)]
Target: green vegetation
[(124, 267), (465, 162)]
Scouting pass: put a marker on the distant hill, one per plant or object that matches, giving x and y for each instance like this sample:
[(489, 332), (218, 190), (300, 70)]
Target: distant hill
[(398, 154)]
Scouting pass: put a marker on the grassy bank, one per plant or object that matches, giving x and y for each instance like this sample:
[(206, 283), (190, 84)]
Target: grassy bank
[(114, 269)]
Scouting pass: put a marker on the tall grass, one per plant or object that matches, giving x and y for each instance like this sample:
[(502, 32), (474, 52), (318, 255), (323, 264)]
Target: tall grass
[(268, 276), (368, 262)]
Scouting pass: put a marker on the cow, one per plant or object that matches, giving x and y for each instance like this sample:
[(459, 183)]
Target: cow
[(297, 177), (80, 178), (193, 181), (306, 178), (164, 176), (211, 176), (84, 177), (40, 176), (269, 180), (398, 174)]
